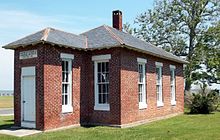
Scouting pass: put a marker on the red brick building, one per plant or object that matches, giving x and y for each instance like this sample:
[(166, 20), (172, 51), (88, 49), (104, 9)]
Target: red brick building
[(101, 77)]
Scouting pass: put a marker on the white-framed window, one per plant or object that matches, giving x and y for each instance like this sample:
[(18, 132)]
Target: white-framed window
[(101, 84), (142, 83), (67, 82), (173, 84), (159, 86)]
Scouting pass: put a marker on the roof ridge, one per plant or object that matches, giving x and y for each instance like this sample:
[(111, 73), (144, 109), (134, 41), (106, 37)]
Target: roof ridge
[(76, 35), (45, 34), (114, 35), (92, 29), (86, 41)]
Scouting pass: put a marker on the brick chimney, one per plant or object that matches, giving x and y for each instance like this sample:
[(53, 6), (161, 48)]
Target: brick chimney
[(117, 19)]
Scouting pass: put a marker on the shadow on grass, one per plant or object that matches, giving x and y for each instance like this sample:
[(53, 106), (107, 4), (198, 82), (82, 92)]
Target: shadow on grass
[(5, 126), (218, 110), (11, 123), (188, 113)]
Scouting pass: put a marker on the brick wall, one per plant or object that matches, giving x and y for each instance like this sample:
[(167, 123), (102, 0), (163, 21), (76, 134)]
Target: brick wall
[(104, 117), (123, 96), (38, 63), (53, 116), (130, 111)]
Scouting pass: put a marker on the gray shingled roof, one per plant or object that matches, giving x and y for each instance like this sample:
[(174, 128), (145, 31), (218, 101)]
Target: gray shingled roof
[(105, 36), (100, 37), (52, 36)]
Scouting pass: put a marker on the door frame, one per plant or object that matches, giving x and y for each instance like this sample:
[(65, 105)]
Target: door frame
[(27, 71)]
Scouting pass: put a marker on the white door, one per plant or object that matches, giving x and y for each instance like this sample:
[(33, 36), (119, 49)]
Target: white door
[(28, 97)]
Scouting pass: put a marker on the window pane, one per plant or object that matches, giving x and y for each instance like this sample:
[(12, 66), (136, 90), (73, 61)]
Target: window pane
[(104, 88), (107, 77), (140, 97), (172, 75), (140, 77), (103, 67), (107, 66), (104, 98), (65, 88), (63, 65), (99, 67), (100, 98), (140, 88), (107, 98), (63, 75), (158, 98), (99, 77), (107, 88), (140, 68), (99, 88), (62, 88), (62, 99), (66, 66), (158, 88), (104, 77), (158, 73), (66, 78), (66, 99)]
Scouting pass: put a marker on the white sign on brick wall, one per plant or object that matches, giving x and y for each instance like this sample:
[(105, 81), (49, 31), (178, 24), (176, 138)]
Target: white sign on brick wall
[(28, 54)]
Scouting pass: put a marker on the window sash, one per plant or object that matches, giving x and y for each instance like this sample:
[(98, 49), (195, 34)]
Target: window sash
[(141, 83), (66, 82), (172, 85), (99, 59), (159, 84), (102, 82)]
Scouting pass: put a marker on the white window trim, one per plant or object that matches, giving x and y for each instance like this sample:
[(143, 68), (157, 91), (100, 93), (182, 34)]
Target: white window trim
[(160, 103), (96, 59), (172, 67), (101, 57), (142, 61), (68, 57), (173, 101), (160, 65)]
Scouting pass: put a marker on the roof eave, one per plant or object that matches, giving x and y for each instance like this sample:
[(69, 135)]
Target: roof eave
[(138, 50), (13, 47), (150, 53)]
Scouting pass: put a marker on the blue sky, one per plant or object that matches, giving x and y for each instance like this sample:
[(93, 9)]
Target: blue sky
[(19, 18)]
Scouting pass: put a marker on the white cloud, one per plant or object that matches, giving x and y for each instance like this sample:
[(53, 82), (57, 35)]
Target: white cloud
[(16, 24)]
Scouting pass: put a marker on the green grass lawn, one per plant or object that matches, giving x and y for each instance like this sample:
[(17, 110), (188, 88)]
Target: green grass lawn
[(6, 102), (183, 127)]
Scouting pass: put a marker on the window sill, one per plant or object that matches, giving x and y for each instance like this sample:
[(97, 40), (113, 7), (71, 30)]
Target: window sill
[(102, 107), (160, 104), (142, 105), (67, 109), (173, 102)]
